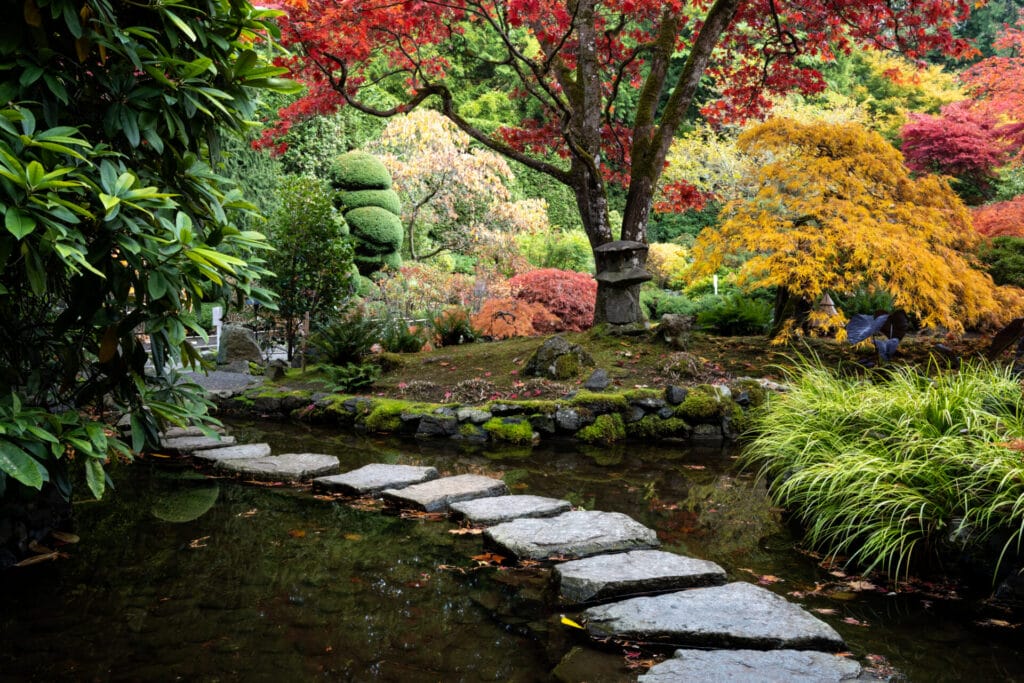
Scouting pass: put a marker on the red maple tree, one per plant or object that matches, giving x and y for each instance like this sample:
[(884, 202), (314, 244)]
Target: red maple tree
[(1000, 219), (963, 141), (608, 81)]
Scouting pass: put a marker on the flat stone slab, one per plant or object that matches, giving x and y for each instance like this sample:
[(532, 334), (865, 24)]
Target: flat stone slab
[(507, 508), (641, 571), (439, 494), (372, 479), (579, 533), (248, 450), (737, 615), (284, 467), (177, 432), (753, 666), (190, 444)]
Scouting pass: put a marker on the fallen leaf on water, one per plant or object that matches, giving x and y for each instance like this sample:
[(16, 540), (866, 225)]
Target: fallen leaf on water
[(768, 579), (37, 547), (569, 622), (158, 455), (694, 467), (198, 542), (861, 586), (36, 559), (353, 537), (996, 622), (248, 513), (297, 533), (838, 573), (488, 558), (65, 537), (465, 531), (854, 622), (825, 610)]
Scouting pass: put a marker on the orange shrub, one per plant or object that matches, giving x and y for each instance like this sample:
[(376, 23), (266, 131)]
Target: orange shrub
[(504, 318)]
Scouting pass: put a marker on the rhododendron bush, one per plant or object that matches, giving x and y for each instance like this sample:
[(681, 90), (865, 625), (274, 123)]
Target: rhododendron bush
[(594, 75)]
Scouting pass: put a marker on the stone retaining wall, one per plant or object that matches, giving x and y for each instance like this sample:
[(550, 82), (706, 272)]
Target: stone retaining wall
[(702, 413)]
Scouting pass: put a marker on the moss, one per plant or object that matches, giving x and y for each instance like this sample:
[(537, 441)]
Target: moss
[(640, 394), (468, 430), (385, 199), (271, 392), (757, 393), (566, 366), (654, 427), (606, 429), (509, 429), (600, 403), (527, 407), (255, 369), (702, 404), (387, 361), (380, 230), (386, 414), (359, 171)]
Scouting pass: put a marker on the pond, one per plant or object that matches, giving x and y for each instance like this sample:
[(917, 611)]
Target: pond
[(182, 577)]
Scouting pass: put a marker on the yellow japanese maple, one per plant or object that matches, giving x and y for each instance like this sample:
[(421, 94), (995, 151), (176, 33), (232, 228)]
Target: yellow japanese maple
[(836, 210)]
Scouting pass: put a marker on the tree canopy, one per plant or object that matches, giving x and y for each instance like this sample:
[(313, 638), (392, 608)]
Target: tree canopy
[(115, 223), (602, 85), (837, 211)]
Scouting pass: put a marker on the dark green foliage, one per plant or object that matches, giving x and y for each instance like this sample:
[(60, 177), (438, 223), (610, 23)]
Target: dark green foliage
[(115, 221), (347, 340), (562, 209), (1004, 260), (385, 199), (359, 171), (682, 228), (380, 228), (452, 327), (737, 314), (351, 376), (863, 301), (312, 261)]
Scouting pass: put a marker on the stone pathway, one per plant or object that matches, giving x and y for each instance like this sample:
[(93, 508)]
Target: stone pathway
[(605, 562)]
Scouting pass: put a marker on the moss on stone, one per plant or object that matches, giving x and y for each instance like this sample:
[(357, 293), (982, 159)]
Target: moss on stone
[(654, 427), (640, 394), (605, 429), (600, 403), (566, 366), (386, 413), (702, 404), (509, 429), (527, 407), (757, 393)]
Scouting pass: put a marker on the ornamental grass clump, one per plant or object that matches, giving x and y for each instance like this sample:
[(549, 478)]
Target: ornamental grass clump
[(902, 471)]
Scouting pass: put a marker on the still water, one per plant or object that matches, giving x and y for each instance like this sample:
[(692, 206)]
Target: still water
[(181, 577)]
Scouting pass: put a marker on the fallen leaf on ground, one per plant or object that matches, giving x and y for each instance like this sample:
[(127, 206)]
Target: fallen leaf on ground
[(854, 622), (465, 532), (297, 533), (198, 542), (248, 513)]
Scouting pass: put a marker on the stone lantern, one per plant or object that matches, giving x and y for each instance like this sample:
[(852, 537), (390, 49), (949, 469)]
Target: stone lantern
[(620, 270)]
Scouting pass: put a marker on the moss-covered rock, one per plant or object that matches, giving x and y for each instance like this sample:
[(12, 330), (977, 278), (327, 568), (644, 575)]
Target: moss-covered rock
[(376, 226), (509, 429), (385, 199), (606, 429), (600, 403), (359, 171), (703, 403), (756, 394), (654, 427)]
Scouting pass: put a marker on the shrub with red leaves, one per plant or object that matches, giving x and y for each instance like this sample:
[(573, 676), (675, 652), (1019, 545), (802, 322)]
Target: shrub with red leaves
[(571, 296), (1001, 219)]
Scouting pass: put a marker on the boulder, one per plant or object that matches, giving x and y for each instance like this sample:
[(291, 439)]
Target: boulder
[(557, 359), (675, 330), (236, 344), (753, 666), (598, 380)]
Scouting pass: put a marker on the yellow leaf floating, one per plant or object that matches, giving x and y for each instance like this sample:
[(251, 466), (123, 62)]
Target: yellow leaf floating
[(569, 622)]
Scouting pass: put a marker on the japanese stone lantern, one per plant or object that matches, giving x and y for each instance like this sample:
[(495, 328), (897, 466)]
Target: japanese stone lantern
[(620, 270)]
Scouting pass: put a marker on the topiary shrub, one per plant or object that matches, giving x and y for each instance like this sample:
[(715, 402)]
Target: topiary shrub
[(359, 171), (570, 296), (376, 226), (385, 199)]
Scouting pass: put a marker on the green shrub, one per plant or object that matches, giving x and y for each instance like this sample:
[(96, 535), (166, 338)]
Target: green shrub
[(737, 315), (376, 226), (682, 228), (351, 376), (678, 305), (452, 326), (863, 301), (899, 471), (385, 199), (359, 171), (562, 249), (347, 340), (1004, 260)]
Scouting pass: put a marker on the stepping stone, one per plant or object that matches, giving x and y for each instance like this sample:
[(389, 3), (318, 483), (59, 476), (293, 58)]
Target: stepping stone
[(372, 479), (507, 508), (737, 615), (640, 571), (753, 666), (248, 450), (285, 467), (437, 495), (177, 432), (574, 534), (190, 444)]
